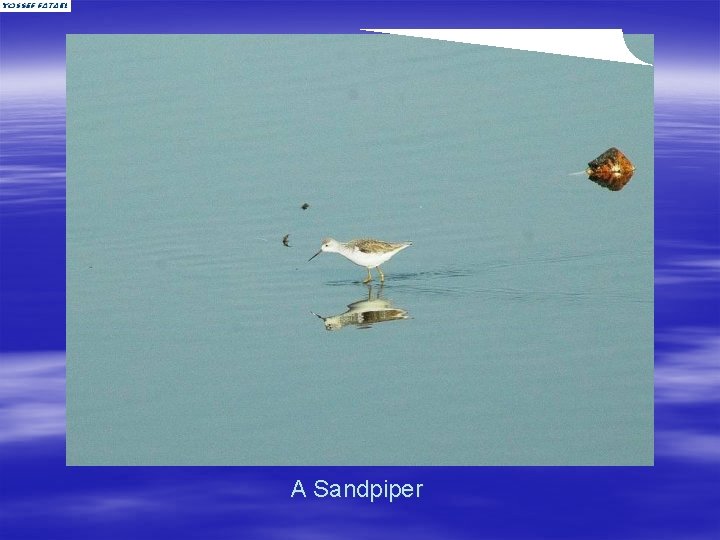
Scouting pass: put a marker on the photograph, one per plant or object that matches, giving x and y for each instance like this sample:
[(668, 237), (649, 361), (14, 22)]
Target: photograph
[(522, 311)]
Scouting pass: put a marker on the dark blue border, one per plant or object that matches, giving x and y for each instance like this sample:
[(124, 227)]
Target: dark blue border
[(41, 498)]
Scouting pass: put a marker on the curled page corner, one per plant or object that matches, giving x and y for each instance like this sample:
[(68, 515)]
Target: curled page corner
[(598, 44)]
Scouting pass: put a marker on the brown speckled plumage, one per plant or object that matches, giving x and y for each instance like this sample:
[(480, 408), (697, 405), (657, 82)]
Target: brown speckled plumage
[(369, 245)]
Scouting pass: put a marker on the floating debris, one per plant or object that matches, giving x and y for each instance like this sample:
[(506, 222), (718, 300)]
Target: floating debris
[(305, 206), (285, 240), (611, 169)]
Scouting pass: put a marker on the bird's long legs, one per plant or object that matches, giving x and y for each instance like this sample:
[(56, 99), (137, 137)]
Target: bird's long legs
[(369, 278), (382, 276)]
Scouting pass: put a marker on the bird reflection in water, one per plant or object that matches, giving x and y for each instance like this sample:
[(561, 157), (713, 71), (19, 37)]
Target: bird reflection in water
[(365, 312)]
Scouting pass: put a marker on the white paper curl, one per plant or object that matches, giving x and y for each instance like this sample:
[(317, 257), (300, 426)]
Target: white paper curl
[(598, 44)]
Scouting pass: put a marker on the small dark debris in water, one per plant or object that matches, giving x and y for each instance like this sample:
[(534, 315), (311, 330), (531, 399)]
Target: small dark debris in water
[(611, 169), (285, 240), (305, 206)]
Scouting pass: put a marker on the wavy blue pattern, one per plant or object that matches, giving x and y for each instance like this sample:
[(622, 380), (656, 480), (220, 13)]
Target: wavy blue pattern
[(32, 170)]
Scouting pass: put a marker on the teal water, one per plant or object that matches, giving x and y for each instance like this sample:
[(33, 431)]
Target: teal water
[(526, 334)]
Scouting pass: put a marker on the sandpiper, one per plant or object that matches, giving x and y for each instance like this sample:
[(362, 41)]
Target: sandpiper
[(364, 252)]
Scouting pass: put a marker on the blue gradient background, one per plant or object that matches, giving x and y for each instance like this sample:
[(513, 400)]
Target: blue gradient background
[(41, 498)]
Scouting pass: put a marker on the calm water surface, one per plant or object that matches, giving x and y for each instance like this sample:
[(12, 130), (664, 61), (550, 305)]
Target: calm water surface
[(526, 301)]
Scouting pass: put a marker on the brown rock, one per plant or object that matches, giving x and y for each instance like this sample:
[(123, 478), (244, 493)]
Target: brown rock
[(611, 169)]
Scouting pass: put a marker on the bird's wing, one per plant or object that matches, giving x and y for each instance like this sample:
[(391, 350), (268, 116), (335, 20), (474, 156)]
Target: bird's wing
[(368, 245)]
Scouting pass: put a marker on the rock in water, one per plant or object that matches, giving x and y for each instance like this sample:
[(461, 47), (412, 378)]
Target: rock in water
[(611, 169)]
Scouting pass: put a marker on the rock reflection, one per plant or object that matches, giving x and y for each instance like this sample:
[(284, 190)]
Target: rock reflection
[(365, 312)]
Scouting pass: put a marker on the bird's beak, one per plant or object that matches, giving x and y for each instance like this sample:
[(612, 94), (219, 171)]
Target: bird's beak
[(318, 253)]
